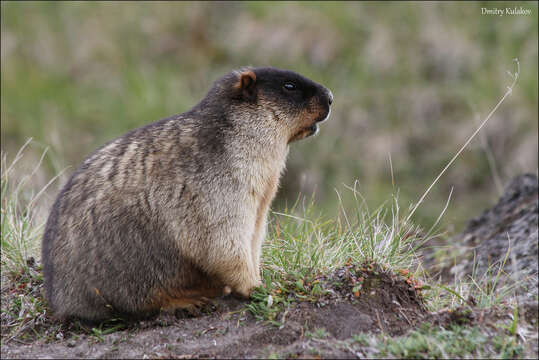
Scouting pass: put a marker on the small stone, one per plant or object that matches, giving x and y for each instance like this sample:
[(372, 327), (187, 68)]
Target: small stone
[(71, 343)]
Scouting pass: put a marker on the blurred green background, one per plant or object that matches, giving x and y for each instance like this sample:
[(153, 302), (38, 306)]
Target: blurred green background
[(411, 81)]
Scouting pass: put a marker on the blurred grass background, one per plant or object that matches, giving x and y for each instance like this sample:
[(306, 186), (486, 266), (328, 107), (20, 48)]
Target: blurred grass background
[(410, 81)]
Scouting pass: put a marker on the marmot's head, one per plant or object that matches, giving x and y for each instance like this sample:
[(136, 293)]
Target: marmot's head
[(292, 103)]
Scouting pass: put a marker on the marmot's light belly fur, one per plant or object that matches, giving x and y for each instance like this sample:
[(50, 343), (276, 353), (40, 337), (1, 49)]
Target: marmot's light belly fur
[(175, 211)]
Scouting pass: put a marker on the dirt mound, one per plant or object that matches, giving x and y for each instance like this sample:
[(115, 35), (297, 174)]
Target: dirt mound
[(366, 298), (355, 299)]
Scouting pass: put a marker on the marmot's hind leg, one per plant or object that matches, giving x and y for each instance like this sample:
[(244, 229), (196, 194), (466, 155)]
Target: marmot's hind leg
[(191, 299)]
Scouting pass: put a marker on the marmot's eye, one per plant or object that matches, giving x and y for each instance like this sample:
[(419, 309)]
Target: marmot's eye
[(289, 85)]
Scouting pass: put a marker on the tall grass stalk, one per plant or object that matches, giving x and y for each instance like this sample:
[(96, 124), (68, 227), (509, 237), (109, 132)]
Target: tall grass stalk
[(509, 91)]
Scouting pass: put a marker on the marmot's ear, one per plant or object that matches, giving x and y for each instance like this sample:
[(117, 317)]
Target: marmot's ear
[(247, 84)]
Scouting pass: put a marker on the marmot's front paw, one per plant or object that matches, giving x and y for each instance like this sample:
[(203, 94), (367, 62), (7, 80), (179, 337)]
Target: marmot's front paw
[(245, 291)]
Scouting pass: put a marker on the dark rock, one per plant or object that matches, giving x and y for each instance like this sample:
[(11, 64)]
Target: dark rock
[(500, 245), (511, 225)]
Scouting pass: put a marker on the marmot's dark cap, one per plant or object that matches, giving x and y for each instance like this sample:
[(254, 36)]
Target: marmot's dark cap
[(298, 101)]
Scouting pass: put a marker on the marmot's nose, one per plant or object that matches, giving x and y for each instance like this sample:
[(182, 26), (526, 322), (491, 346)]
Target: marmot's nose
[(330, 97)]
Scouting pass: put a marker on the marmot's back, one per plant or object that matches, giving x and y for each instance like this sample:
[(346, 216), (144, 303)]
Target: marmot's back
[(175, 212)]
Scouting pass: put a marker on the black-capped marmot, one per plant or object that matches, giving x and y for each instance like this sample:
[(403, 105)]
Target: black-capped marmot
[(175, 211)]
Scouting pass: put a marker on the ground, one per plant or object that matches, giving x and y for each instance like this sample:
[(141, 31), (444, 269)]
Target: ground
[(356, 300), (360, 309), (385, 303)]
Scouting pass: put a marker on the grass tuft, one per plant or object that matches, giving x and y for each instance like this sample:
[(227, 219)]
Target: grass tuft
[(310, 244), (20, 234), (23, 304), (455, 342)]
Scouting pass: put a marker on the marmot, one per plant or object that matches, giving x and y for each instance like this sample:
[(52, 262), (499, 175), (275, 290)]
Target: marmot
[(174, 212)]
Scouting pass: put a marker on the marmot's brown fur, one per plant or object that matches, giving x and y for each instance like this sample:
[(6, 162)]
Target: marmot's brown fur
[(175, 211)]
